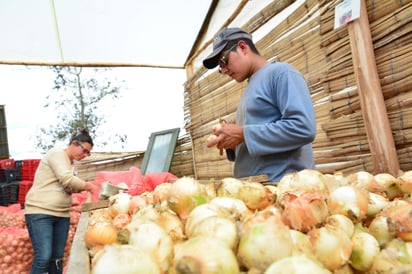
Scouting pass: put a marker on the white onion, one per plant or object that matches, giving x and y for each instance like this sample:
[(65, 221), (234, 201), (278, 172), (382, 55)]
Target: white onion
[(264, 240), (332, 247), (394, 258), (342, 222), (377, 202), (364, 249), (255, 195), (405, 182), (224, 229), (124, 259), (172, 224), (350, 201), (301, 244), (203, 254), (379, 229), (306, 179), (185, 194), (153, 239), (296, 265), (236, 207), (201, 212), (389, 185), (119, 203), (229, 187), (334, 181)]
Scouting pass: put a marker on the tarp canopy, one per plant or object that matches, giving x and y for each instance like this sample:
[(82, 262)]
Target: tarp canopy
[(156, 33)]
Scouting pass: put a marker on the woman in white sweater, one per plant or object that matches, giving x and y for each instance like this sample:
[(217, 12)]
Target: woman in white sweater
[(48, 203)]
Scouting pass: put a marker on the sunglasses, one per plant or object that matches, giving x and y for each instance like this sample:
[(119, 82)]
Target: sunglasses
[(85, 150), (223, 61)]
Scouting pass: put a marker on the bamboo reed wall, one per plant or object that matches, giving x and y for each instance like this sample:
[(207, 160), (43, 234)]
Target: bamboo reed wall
[(306, 39)]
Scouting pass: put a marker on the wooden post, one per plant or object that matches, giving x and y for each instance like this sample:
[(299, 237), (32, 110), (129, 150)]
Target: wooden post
[(379, 132)]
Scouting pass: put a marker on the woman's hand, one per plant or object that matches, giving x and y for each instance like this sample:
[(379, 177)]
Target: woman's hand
[(91, 187)]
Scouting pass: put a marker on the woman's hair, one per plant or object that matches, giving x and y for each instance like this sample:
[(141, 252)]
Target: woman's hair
[(82, 136)]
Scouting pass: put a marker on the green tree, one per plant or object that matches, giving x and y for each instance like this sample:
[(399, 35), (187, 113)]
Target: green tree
[(77, 98)]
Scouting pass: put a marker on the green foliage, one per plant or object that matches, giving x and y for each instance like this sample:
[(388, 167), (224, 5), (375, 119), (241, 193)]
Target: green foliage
[(76, 98)]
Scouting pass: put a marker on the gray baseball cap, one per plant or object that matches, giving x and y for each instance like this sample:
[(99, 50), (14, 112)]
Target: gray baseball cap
[(220, 42)]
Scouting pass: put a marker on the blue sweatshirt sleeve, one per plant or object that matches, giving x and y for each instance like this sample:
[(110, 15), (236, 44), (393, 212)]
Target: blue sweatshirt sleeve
[(280, 115)]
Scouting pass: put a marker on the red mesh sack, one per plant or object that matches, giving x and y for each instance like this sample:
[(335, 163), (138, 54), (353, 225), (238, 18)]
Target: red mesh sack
[(151, 180), (12, 216), (132, 177)]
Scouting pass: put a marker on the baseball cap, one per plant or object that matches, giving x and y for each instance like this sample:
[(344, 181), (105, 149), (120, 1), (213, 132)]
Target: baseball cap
[(220, 42)]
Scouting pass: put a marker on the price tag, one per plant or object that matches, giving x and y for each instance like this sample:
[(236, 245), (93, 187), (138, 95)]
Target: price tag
[(346, 12)]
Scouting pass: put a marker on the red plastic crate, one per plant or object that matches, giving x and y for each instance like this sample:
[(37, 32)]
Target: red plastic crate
[(24, 187), (28, 168), (7, 163)]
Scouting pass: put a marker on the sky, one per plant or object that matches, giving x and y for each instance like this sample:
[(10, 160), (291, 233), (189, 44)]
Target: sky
[(151, 100)]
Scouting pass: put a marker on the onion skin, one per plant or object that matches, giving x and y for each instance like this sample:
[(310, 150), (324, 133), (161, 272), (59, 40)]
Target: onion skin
[(400, 220), (304, 210)]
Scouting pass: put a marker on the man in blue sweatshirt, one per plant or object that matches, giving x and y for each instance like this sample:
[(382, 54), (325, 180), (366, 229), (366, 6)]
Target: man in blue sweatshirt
[(275, 120)]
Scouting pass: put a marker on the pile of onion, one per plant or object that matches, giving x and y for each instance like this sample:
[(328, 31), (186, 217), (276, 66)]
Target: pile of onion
[(307, 223), (16, 251)]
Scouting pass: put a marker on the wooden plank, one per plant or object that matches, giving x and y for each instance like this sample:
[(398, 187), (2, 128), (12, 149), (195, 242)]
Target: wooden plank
[(79, 260), (95, 205), (263, 178), (381, 142), (256, 179)]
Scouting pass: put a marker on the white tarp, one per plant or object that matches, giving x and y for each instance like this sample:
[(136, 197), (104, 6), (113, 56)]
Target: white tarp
[(154, 33), (131, 32)]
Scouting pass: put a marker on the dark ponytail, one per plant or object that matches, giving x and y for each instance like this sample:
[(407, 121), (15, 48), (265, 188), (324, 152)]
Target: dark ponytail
[(82, 136)]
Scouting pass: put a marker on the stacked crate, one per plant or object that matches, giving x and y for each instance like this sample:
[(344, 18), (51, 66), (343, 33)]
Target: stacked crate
[(16, 178), (24, 187), (28, 168), (9, 176)]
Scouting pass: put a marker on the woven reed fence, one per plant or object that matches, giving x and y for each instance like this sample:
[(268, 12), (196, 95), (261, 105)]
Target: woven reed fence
[(306, 39)]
